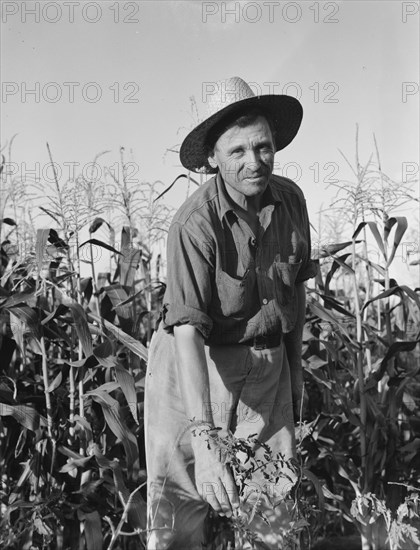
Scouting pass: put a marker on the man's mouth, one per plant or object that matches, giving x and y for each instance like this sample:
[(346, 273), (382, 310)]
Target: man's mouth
[(255, 177)]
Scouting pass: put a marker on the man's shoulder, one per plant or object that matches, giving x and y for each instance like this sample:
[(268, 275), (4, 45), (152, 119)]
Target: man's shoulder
[(282, 187), (201, 204)]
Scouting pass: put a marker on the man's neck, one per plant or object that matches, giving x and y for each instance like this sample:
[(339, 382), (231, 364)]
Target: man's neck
[(247, 208), (251, 205)]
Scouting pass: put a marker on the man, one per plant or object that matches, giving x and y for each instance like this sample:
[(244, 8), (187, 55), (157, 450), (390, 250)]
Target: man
[(227, 353)]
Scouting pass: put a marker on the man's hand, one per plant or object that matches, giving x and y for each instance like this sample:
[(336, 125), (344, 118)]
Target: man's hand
[(213, 478)]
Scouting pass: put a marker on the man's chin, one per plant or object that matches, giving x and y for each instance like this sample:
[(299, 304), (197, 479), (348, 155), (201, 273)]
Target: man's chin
[(256, 185)]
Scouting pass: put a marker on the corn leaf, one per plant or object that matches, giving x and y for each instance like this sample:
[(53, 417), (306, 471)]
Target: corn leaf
[(19, 298), (402, 225), (331, 249), (326, 315), (133, 345), (375, 232), (93, 529), (398, 289), (114, 419), (137, 511), (102, 244), (129, 260), (104, 354), (174, 182), (393, 349), (335, 265), (335, 304), (118, 295), (379, 268), (82, 328), (25, 415), (29, 317), (317, 485), (41, 243), (56, 382), (54, 215), (8, 221), (126, 382), (96, 224)]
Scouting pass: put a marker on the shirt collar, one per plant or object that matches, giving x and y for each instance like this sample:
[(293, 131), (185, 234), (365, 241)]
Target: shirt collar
[(271, 196)]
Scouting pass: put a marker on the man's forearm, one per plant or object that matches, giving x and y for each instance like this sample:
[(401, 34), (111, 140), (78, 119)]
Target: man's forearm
[(192, 373)]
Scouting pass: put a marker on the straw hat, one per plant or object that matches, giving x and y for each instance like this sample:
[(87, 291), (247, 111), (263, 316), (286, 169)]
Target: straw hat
[(234, 94)]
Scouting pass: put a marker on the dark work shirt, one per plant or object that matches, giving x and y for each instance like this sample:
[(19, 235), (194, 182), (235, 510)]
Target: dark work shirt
[(229, 284)]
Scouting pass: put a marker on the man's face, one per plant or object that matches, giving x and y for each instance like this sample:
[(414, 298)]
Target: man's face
[(245, 157)]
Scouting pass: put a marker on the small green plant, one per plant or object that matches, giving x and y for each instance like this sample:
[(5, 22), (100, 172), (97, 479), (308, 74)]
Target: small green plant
[(269, 478), (367, 509)]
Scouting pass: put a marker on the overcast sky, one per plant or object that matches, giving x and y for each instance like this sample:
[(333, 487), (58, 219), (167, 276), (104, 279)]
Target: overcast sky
[(110, 74)]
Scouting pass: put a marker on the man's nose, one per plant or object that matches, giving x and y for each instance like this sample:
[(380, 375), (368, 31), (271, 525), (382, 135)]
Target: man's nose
[(253, 160)]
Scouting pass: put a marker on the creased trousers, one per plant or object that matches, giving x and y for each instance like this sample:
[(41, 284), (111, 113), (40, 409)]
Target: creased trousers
[(250, 393)]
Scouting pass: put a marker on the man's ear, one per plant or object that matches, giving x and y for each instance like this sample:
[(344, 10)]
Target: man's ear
[(212, 162)]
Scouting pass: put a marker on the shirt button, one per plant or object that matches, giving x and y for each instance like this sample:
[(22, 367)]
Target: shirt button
[(254, 242), (265, 301)]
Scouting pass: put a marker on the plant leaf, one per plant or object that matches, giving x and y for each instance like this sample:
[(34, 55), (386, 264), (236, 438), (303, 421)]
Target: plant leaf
[(126, 382), (112, 412), (393, 349), (375, 232), (326, 315), (82, 327), (26, 416), (54, 215), (93, 529), (8, 221), (41, 243), (402, 225), (331, 249), (335, 265), (133, 345), (96, 224), (173, 183), (395, 290), (29, 317), (100, 243)]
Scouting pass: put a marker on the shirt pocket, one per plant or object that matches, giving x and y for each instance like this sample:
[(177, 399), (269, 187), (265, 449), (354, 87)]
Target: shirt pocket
[(285, 280), (233, 293)]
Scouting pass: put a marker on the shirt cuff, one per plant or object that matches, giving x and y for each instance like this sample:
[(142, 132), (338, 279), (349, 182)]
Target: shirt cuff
[(180, 314), (307, 272)]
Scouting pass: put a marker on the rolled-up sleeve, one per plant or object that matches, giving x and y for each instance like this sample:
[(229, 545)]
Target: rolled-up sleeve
[(308, 268), (189, 281)]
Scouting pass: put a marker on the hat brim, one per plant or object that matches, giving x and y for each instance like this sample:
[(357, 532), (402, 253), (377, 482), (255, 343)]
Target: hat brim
[(285, 113)]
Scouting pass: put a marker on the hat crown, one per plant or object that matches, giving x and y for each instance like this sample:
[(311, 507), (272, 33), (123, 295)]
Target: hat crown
[(218, 95)]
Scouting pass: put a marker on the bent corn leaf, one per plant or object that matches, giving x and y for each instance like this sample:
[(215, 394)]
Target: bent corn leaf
[(29, 317), (133, 345), (402, 225), (102, 244), (82, 327), (112, 413), (26, 416), (375, 232)]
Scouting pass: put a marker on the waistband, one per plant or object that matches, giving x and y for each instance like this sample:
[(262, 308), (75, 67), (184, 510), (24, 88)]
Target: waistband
[(264, 342)]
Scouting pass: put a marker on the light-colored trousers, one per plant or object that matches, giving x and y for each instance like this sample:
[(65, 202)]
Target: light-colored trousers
[(250, 393)]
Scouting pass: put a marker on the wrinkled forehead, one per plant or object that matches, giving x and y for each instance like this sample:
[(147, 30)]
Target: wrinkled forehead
[(253, 130), (243, 125)]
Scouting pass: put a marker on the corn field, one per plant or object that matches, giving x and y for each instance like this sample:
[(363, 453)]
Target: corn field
[(73, 355)]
